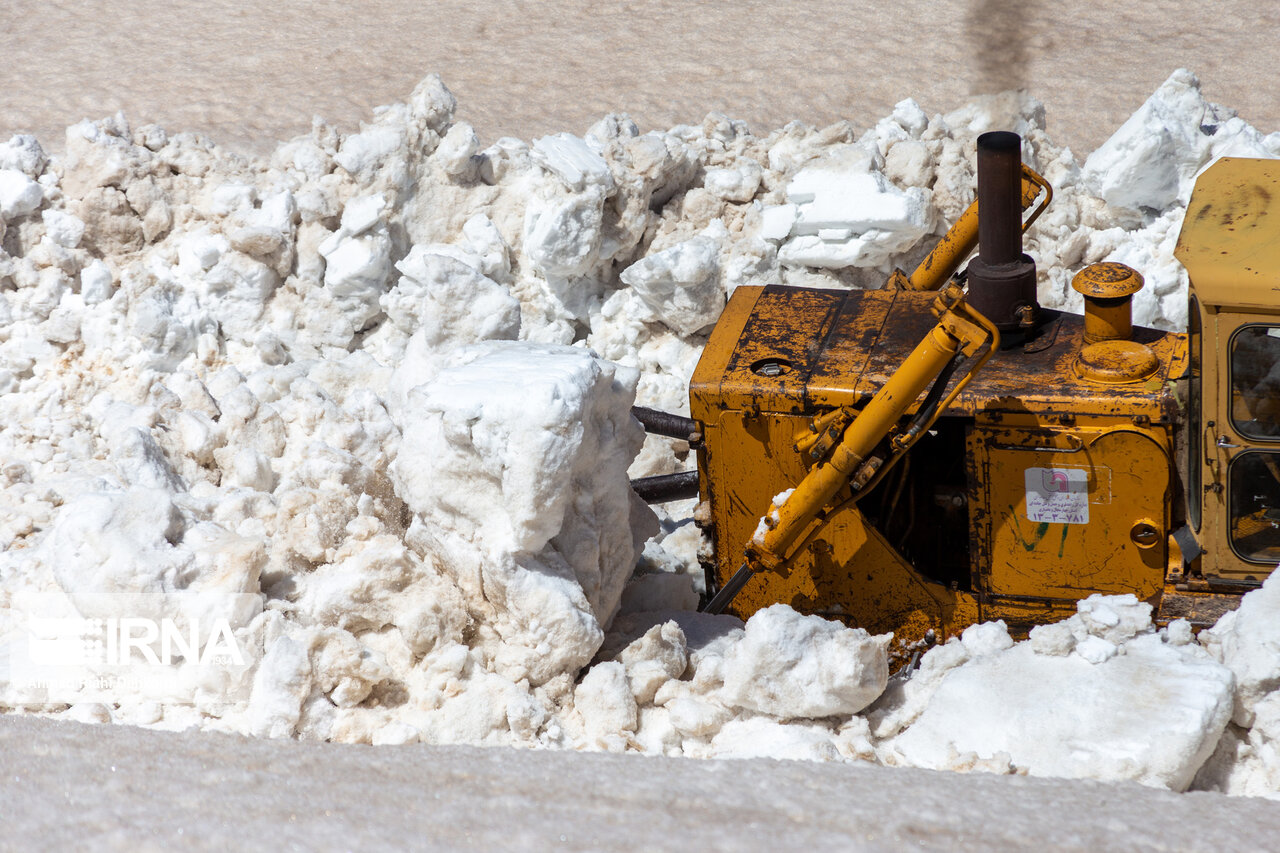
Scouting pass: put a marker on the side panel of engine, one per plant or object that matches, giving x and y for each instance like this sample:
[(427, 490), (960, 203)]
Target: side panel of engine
[(1060, 513)]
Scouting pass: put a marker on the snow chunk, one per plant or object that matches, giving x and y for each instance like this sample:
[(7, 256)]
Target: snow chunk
[(1247, 763), (199, 251), (776, 221), (357, 266), (63, 228), (849, 215), (1247, 641), (790, 666), (605, 702), (517, 471), (1113, 618), (280, 686), (23, 153), (680, 284), (1152, 714), (358, 258), (95, 282), (737, 185), (449, 302), (572, 160), (19, 195), (562, 234), (458, 149), (654, 659)]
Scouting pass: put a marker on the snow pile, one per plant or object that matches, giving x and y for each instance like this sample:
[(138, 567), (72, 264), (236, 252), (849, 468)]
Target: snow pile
[(1145, 173), (380, 383), (1247, 641), (782, 685), (1151, 162), (790, 666)]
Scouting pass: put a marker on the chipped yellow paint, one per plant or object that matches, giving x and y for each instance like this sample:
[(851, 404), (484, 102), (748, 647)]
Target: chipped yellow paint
[(1230, 245), (840, 348), (955, 534), (1127, 471), (1229, 239)]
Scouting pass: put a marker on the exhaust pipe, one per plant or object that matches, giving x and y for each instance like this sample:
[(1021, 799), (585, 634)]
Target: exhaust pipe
[(1002, 279)]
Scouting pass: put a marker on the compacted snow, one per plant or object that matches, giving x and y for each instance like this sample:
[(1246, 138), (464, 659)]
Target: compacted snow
[(379, 384), (249, 72), (128, 789)]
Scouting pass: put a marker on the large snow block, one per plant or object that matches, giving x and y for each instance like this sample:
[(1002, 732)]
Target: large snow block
[(1150, 714), (514, 460), (680, 284), (849, 215), (1247, 641)]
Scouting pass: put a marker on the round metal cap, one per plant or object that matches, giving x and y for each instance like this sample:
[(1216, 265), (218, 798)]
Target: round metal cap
[(1116, 362), (1107, 281)]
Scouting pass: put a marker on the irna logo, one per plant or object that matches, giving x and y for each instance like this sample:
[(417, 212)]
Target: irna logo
[(133, 640)]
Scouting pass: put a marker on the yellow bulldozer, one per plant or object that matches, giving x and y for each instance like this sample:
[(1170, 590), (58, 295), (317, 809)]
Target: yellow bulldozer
[(944, 451)]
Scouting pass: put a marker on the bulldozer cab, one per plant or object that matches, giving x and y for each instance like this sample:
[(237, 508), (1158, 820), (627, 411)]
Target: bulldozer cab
[(1230, 249)]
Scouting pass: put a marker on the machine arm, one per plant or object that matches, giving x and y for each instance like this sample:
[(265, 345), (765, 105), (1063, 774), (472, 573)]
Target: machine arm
[(959, 242), (960, 332)]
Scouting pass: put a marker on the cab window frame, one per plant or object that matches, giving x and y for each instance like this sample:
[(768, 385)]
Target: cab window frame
[(1195, 419)]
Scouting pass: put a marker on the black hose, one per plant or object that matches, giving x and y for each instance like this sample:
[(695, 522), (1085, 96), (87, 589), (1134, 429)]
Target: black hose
[(934, 397)]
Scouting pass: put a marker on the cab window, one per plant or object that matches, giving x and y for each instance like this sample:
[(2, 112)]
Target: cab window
[(1255, 382), (1254, 505)]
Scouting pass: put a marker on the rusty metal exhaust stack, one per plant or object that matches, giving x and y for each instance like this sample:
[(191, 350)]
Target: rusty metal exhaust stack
[(1002, 279)]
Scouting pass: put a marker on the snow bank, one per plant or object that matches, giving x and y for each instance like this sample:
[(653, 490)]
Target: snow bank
[(1247, 641), (379, 383)]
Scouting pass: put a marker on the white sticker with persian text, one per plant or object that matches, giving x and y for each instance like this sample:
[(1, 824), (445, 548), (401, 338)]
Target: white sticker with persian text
[(1058, 495)]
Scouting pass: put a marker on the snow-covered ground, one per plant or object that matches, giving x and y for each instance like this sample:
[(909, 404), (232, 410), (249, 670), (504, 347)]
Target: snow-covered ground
[(250, 72), (70, 785)]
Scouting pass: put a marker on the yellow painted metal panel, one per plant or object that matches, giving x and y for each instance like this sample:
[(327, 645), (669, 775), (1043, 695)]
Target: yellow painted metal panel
[(841, 347), (843, 569), (1228, 241), (1072, 531)]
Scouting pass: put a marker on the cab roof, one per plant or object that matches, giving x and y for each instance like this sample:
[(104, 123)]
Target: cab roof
[(1230, 239)]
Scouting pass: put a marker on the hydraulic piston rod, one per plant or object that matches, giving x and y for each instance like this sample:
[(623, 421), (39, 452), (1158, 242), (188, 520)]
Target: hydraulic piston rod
[(959, 330)]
